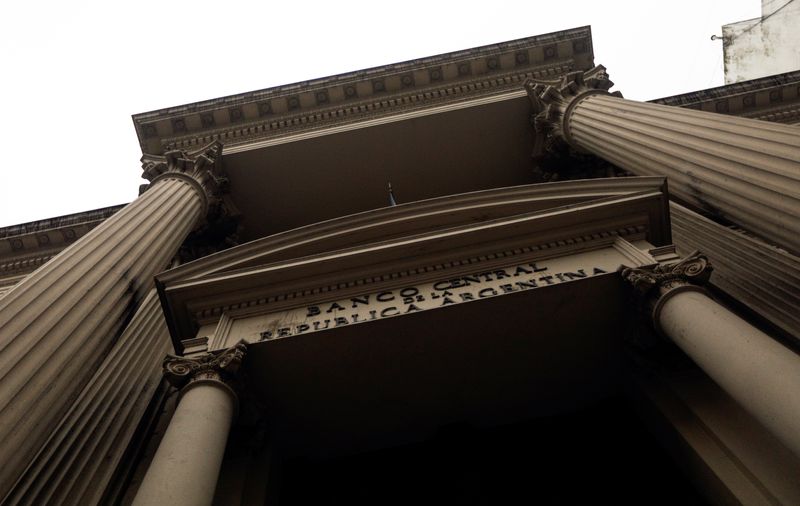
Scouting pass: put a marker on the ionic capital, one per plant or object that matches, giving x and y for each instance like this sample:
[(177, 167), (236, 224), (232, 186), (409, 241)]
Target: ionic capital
[(659, 283), (221, 368), (201, 168), (554, 100)]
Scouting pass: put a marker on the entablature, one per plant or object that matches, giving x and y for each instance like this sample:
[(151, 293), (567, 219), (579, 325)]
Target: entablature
[(774, 98), (366, 94), (27, 246), (419, 243)]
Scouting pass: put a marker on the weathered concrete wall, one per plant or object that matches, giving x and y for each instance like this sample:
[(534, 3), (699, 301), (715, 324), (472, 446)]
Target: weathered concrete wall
[(763, 46)]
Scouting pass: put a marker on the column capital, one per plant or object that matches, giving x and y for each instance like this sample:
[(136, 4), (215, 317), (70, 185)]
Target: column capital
[(658, 283), (221, 368), (201, 168), (553, 102)]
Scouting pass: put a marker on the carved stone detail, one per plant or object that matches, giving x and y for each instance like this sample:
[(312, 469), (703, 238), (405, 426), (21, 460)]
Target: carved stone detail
[(554, 100), (735, 170), (221, 230), (106, 272), (659, 283), (222, 367), (202, 168), (694, 269)]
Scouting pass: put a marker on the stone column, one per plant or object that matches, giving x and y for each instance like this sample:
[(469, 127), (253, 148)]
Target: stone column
[(762, 277), (58, 324), (185, 468), (759, 373), (83, 451), (742, 170)]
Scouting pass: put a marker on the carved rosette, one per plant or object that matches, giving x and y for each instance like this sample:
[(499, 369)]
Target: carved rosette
[(221, 367), (202, 168), (553, 101), (658, 283)]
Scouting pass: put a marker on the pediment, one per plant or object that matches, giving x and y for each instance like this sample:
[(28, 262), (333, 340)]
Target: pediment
[(414, 243)]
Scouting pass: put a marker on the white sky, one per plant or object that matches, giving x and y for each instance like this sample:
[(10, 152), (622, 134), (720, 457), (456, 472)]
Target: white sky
[(72, 73)]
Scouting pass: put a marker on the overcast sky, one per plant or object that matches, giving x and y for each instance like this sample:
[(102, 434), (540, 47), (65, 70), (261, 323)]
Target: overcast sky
[(74, 72)]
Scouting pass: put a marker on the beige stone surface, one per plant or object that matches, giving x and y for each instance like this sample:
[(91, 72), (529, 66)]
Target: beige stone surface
[(745, 171), (741, 170), (731, 458), (185, 468), (762, 277), (83, 451), (758, 372), (753, 368), (58, 324)]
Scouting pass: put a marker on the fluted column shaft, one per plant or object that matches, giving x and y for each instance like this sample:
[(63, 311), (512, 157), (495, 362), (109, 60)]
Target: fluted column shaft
[(764, 278), (742, 170), (58, 324), (746, 171), (761, 374), (185, 469), (79, 458)]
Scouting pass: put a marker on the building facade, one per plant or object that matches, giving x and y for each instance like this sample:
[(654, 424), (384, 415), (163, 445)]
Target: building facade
[(763, 46), (475, 277)]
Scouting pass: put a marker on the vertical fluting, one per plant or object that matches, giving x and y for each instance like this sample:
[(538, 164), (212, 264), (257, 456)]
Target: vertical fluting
[(60, 323), (765, 278), (77, 461), (744, 171), (739, 170)]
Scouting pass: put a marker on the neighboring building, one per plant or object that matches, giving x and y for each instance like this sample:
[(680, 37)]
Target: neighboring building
[(515, 328), (763, 46)]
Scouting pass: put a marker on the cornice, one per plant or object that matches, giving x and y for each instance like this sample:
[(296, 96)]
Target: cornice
[(774, 98), (59, 221), (413, 218), (325, 121), (23, 265), (25, 247), (366, 93), (789, 114)]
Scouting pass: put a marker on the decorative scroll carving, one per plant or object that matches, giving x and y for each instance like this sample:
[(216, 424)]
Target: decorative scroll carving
[(694, 269), (657, 284), (222, 367), (553, 100), (203, 166)]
